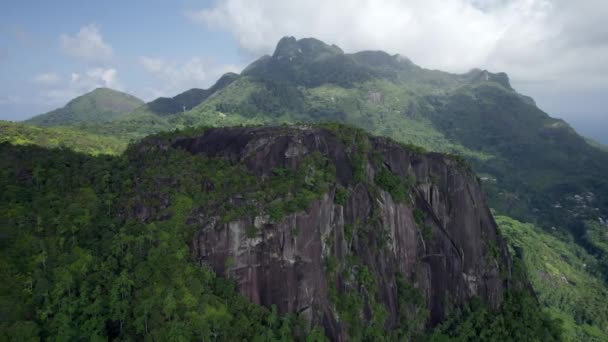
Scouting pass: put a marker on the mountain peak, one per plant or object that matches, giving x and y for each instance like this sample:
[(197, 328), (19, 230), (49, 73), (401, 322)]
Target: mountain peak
[(479, 75), (100, 90), (99, 105), (290, 47)]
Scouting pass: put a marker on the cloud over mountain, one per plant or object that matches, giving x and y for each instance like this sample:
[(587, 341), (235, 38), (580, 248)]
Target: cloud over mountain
[(176, 76), (88, 45), (47, 78), (533, 40)]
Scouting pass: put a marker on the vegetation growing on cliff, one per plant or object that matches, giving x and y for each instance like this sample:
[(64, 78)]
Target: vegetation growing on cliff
[(393, 184), (75, 266)]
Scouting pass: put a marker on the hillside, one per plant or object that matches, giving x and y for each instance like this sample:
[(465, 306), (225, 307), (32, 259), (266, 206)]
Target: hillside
[(564, 277), (60, 137), (597, 144), (335, 233), (99, 106)]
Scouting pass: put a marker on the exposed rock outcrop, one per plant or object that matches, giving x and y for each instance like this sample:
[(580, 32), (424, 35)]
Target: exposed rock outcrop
[(441, 237)]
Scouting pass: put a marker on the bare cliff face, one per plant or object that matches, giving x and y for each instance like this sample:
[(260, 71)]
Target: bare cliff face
[(392, 217)]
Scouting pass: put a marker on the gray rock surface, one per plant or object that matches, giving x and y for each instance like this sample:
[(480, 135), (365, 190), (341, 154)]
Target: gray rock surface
[(461, 254)]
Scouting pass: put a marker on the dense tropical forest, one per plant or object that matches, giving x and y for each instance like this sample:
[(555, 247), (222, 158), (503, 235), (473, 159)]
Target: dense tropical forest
[(76, 264)]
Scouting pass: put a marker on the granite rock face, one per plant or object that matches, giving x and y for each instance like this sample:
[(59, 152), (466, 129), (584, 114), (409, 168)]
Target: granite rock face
[(442, 238)]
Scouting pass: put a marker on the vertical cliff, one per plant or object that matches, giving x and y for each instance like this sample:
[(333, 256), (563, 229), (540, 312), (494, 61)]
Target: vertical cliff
[(395, 234)]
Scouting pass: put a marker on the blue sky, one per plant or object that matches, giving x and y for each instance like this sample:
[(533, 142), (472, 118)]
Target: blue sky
[(52, 51), (36, 66)]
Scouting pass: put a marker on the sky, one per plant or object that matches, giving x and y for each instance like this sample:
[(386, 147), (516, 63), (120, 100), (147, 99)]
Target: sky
[(52, 51)]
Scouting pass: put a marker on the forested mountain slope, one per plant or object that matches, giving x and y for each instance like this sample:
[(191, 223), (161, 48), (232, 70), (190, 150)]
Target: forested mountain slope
[(338, 234), (566, 278)]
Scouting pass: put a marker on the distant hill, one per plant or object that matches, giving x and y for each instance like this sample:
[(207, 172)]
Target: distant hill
[(52, 137), (100, 105), (161, 114)]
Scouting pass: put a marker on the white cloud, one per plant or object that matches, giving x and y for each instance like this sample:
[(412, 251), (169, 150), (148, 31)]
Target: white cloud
[(80, 83), (154, 65), (175, 77), (532, 40), (87, 44), (105, 77), (48, 78)]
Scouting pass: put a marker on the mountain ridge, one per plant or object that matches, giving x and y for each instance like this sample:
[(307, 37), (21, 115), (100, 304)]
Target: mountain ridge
[(187, 100), (307, 80)]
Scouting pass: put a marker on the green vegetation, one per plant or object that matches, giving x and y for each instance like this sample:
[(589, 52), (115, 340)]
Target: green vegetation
[(100, 105), (518, 319), (357, 142), (413, 311), (342, 195), (383, 108), (308, 183), (596, 236), (539, 161), (564, 277), (394, 184), (77, 264), (352, 303), (60, 137), (98, 247)]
